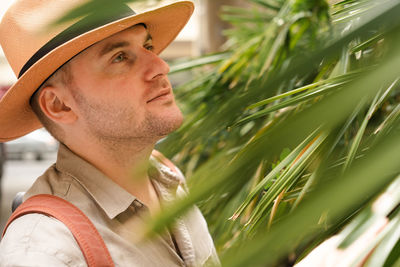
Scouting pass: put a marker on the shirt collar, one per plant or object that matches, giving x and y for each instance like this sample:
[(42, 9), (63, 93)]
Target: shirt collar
[(111, 197)]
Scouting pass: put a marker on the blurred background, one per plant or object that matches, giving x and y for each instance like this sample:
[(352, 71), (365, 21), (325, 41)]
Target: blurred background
[(291, 133)]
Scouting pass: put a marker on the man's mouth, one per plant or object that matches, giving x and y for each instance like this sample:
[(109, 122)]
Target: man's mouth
[(164, 93)]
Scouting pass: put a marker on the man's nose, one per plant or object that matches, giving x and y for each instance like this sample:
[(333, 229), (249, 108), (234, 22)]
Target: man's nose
[(156, 66)]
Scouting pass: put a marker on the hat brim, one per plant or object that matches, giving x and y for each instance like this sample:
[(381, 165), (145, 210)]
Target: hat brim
[(17, 117)]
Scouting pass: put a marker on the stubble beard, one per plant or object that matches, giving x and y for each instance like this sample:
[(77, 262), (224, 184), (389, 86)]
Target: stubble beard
[(117, 127)]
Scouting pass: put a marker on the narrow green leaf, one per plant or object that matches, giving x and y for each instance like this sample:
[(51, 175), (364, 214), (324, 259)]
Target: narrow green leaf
[(198, 62), (304, 190), (268, 4), (290, 102), (374, 106), (337, 81), (367, 43), (360, 133)]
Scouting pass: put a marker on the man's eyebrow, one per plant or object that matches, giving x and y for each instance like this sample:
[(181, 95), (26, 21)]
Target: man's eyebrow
[(148, 38), (111, 46)]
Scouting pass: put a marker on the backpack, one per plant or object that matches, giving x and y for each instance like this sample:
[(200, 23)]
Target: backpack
[(86, 235)]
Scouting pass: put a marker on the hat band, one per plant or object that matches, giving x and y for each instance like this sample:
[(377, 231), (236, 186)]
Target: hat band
[(88, 23)]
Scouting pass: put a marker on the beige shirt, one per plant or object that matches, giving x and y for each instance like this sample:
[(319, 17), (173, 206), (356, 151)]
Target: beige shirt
[(39, 240)]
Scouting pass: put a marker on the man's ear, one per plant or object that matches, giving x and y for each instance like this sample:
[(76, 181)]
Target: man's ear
[(54, 104)]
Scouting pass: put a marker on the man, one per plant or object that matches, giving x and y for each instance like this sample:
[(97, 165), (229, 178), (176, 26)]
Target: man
[(100, 88)]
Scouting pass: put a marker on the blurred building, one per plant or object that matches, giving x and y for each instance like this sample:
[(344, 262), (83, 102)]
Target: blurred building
[(7, 76)]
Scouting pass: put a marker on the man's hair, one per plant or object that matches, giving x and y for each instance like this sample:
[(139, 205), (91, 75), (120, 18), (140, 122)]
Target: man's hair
[(61, 76)]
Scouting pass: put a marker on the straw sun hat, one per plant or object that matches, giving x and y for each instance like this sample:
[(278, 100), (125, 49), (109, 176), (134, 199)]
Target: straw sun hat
[(35, 51)]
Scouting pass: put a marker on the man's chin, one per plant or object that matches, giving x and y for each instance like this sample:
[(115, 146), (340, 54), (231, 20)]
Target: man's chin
[(167, 122), (174, 124)]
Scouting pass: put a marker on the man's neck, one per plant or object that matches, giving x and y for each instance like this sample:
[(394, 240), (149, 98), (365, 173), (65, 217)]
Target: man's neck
[(126, 164)]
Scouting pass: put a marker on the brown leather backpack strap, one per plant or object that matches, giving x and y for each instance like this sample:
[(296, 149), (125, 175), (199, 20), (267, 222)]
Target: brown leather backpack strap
[(161, 158), (88, 238)]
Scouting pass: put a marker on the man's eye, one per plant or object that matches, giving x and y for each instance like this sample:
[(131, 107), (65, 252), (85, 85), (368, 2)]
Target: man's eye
[(149, 47), (119, 58)]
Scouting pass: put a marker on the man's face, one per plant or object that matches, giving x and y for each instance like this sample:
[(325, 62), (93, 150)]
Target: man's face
[(121, 89)]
